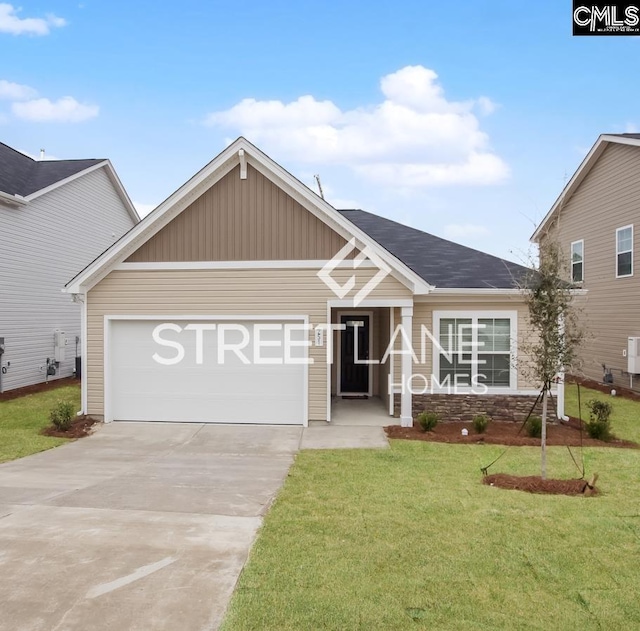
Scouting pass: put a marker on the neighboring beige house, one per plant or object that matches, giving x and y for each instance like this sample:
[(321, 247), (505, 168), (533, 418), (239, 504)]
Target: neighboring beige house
[(217, 308), (595, 220)]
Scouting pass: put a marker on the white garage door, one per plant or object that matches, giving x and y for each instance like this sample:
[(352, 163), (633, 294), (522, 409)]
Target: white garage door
[(208, 371)]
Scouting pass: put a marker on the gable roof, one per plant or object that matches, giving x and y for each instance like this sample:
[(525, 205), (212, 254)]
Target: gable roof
[(604, 140), (240, 152), (22, 175), (441, 263), (421, 261), (22, 178)]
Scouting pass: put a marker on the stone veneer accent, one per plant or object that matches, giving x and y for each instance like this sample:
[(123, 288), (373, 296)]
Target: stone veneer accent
[(463, 407)]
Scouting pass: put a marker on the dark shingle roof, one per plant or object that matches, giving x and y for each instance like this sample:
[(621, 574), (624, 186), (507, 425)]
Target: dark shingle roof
[(440, 262), (636, 136), (22, 175)]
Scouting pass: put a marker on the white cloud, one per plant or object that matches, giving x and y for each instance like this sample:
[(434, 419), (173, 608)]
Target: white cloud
[(144, 209), (630, 128), (11, 22), (465, 231), (15, 91), (65, 110), (415, 137)]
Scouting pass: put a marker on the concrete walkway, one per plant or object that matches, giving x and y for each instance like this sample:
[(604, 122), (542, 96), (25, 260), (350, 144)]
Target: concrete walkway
[(142, 526)]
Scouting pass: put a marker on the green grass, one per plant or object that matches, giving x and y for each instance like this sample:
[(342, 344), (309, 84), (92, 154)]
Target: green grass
[(22, 419), (625, 418), (410, 539)]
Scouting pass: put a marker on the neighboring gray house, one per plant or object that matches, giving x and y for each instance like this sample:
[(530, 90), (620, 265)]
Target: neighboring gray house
[(56, 216)]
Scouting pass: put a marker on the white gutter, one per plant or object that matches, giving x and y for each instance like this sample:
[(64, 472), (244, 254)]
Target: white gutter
[(13, 200)]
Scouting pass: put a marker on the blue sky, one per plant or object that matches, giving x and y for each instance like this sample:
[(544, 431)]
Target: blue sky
[(462, 120)]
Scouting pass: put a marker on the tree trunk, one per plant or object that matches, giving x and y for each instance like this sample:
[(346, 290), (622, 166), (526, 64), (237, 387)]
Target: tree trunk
[(543, 436)]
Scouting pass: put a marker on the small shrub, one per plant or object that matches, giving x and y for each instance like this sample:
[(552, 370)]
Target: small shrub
[(599, 410), (427, 420), (61, 415), (598, 426), (480, 422), (534, 427)]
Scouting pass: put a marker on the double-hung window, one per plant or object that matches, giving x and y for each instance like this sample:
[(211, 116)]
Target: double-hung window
[(624, 251), (475, 349), (577, 261)]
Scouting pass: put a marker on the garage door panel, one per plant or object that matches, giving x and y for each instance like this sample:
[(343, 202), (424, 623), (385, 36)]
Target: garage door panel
[(141, 388)]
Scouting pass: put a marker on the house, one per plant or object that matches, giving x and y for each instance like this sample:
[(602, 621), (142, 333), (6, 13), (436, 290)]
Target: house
[(247, 298), (55, 217), (594, 220)]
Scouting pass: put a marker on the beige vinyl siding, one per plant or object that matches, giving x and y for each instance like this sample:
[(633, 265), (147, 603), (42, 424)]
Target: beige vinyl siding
[(423, 315), (220, 292), (607, 199), (242, 220), (382, 371)]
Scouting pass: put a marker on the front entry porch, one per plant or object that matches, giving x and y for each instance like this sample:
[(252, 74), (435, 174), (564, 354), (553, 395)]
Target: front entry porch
[(370, 412), (371, 361)]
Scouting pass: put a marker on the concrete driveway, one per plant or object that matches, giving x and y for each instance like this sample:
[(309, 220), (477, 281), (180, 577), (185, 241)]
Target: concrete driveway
[(138, 527)]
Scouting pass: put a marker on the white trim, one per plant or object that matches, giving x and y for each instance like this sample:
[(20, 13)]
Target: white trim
[(208, 176), (355, 315), (391, 360), (208, 265), (84, 355), (71, 178), (13, 200), (582, 171), (571, 262), (477, 314), (630, 226), (330, 366), (198, 318), (201, 318), (392, 302), (489, 291), (406, 397), (113, 176)]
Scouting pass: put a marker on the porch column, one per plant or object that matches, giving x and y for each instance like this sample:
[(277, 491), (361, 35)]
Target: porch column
[(406, 412)]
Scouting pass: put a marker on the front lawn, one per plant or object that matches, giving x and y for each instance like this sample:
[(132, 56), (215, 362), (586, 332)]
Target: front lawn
[(410, 539), (21, 421)]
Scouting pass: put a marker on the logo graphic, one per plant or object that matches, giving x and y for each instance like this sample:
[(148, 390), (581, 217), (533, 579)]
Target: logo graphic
[(606, 18), (340, 260)]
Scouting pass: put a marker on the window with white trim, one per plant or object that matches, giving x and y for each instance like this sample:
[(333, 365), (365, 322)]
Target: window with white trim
[(475, 348), (577, 261), (624, 251)]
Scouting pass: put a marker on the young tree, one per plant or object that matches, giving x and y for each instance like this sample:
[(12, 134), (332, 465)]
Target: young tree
[(556, 331)]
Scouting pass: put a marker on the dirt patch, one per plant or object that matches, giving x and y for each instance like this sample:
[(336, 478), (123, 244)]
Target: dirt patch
[(81, 426), (606, 388), (505, 433), (39, 387), (535, 484)]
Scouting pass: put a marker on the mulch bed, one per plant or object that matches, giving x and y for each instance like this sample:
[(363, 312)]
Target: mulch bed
[(81, 426), (535, 484), (505, 433), (39, 387)]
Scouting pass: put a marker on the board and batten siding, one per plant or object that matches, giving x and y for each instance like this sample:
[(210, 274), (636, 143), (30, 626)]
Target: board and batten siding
[(242, 220), (209, 292), (608, 198), (44, 244)]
